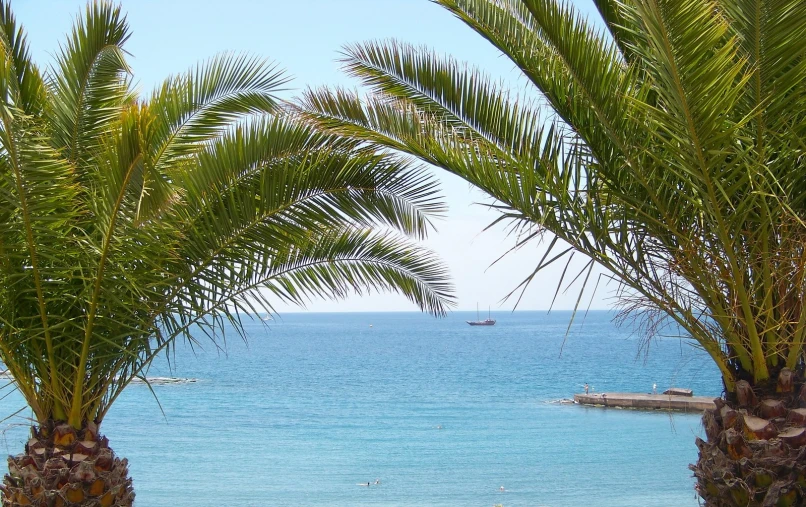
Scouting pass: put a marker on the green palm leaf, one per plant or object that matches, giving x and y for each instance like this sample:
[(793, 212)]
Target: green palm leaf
[(88, 82), (665, 155), (127, 223)]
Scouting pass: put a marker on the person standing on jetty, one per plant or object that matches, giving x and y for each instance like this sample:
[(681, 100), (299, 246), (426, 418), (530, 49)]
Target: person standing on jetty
[(586, 387)]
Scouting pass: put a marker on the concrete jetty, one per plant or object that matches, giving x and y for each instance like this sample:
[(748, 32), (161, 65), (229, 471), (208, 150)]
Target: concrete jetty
[(647, 401)]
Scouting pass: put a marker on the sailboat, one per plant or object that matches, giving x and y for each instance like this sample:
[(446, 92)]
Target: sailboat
[(486, 322)]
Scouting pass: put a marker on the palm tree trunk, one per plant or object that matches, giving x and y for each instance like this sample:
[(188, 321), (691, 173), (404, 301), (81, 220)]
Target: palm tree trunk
[(62, 467), (755, 454)]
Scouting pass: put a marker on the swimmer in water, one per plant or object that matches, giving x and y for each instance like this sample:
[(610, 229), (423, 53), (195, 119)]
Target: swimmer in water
[(377, 481), (501, 489)]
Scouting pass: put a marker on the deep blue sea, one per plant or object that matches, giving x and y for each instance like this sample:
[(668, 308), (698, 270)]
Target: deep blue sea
[(443, 414)]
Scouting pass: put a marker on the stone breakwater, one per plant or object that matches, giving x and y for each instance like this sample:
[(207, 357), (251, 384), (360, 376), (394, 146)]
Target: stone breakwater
[(647, 401)]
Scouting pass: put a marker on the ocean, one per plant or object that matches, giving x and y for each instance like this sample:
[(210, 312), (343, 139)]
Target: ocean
[(439, 413)]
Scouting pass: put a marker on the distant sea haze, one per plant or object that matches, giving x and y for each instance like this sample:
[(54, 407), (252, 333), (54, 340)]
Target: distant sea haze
[(439, 413)]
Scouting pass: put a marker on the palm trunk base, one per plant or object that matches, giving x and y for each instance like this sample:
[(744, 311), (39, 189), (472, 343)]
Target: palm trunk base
[(754, 456), (62, 467)]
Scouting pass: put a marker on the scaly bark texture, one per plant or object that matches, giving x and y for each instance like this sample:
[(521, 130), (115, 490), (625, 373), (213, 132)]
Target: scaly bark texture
[(756, 449), (62, 467)]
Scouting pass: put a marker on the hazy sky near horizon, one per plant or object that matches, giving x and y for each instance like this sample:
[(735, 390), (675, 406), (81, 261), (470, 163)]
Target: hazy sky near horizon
[(304, 37)]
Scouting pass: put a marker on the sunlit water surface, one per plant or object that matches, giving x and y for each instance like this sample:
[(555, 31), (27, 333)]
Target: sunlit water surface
[(443, 414)]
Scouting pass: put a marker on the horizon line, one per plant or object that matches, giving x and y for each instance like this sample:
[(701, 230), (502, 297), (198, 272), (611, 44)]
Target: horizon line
[(423, 312)]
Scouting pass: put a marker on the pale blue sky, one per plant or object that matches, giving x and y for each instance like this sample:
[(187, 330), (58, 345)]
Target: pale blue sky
[(304, 37)]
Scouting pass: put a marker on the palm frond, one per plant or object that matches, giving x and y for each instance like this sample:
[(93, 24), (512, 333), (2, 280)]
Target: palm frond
[(359, 260), (199, 105), (452, 93), (612, 13), (665, 155), (127, 223), (25, 87), (578, 71), (88, 81), (307, 180)]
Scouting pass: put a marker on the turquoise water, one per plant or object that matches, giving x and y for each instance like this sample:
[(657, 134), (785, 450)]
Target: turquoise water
[(444, 414)]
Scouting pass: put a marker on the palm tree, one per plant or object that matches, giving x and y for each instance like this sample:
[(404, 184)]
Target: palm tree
[(127, 223), (666, 145)]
